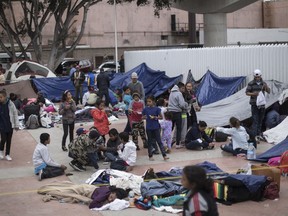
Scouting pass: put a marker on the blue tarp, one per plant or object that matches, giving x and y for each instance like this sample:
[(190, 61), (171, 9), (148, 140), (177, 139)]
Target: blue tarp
[(275, 151), (155, 83), (213, 88), (54, 87)]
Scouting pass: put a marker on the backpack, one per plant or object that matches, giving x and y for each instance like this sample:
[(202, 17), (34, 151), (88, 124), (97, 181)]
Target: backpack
[(32, 122), (284, 163), (220, 136)]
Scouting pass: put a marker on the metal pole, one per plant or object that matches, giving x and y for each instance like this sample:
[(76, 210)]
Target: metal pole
[(115, 32)]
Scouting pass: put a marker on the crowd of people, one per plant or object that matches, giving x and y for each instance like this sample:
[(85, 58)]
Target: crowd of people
[(150, 118)]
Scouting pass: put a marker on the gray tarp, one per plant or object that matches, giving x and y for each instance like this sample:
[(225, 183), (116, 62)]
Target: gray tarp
[(22, 88), (237, 105)]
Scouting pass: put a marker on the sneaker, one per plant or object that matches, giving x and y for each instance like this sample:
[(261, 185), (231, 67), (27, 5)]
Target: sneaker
[(40, 175), (1, 155), (8, 158), (80, 167)]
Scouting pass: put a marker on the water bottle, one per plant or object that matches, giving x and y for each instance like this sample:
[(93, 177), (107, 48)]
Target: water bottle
[(251, 152), (131, 197)]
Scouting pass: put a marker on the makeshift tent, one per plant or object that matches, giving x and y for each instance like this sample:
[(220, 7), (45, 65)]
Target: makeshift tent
[(54, 87), (213, 88), (237, 105), (275, 151), (278, 133), (22, 88), (154, 82)]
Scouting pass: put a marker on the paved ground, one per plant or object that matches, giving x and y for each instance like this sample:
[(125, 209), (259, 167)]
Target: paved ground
[(18, 184)]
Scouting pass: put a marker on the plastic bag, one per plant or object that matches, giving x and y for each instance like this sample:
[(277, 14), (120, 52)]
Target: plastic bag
[(261, 100)]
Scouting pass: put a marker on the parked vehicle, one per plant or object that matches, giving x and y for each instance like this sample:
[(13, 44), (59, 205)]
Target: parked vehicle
[(64, 67), (6, 60), (108, 66), (23, 70)]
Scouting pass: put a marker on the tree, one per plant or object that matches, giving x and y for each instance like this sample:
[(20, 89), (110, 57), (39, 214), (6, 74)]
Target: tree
[(35, 14)]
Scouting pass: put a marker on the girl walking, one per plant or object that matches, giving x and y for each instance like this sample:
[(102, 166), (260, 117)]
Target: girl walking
[(152, 114), (67, 110), (8, 122)]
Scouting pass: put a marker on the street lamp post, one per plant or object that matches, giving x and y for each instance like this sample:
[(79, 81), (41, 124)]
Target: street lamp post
[(115, 36)]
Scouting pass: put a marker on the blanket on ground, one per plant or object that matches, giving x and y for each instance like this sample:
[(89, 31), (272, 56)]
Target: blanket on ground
[(67, 192)]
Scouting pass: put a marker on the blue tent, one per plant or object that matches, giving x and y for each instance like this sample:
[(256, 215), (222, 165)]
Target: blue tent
[(154, 82), (275, 151), (213, 88)]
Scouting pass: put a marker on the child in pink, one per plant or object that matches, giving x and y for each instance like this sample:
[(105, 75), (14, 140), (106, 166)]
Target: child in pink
[(166, 126)]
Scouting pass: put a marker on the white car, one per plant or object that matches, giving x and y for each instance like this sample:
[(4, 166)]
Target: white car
[(24, 70), (107, 66)]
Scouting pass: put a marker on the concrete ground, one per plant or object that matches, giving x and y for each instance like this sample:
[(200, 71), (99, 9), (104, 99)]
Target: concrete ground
[(18, 184)]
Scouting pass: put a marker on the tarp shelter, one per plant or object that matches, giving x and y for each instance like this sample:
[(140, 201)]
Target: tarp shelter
[(237, 105), (275, 151), (23, 88), (54, 87), (154, 82), (213, 88)]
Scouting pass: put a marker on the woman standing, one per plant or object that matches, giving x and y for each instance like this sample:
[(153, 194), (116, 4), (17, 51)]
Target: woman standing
[(67, 110), (8, 122), (199, 200)]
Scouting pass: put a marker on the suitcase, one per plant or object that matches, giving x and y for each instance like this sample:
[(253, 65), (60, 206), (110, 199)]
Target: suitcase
[(268, 171)]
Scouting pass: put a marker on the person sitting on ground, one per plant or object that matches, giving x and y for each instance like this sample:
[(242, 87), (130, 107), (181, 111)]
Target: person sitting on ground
[(17, 102), (90, 97), (84, 149), (197, 139), (273, 117), (44, 165), (200, 199), (127, 154), (240, 137), (111, 149), (103, 195)]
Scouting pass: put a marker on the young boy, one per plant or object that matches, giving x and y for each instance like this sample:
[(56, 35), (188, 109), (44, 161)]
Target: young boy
[(127, 98), (135, 109), (127, 154), (110, 151), (45, 166)]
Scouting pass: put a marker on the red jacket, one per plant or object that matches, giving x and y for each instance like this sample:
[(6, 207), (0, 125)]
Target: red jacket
[(100, 121)]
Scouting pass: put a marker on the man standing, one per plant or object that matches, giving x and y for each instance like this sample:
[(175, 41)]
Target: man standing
[(136, 86), (253, 89), (103, 84), (78, 78), (176, 105)]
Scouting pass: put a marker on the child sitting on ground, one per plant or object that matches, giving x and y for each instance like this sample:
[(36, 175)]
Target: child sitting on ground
[(45, 166), (240, 137), (110, 151), (127, 154)]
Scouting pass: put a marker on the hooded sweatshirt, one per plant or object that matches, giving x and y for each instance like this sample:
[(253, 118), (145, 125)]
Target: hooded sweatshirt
[(176, 101), (129, 153)]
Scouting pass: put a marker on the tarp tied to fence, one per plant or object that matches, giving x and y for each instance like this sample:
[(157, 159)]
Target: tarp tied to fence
[(213, 88)]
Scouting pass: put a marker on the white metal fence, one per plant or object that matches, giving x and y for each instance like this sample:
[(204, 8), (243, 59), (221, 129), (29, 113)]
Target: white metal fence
[(272, 60)]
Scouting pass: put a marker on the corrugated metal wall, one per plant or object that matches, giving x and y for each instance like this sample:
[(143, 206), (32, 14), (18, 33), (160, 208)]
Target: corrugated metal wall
[(272, 60)]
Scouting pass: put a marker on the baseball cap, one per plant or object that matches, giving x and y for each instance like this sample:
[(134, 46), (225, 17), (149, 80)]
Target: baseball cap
[(80, 131), (93, 134), (257, 72), (134, 75)]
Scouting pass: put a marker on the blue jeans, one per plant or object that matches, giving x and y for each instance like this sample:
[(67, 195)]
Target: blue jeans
[(93, 158), (229, 148), (192, 145), (257, 118), (110, 156), (154, 135)]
